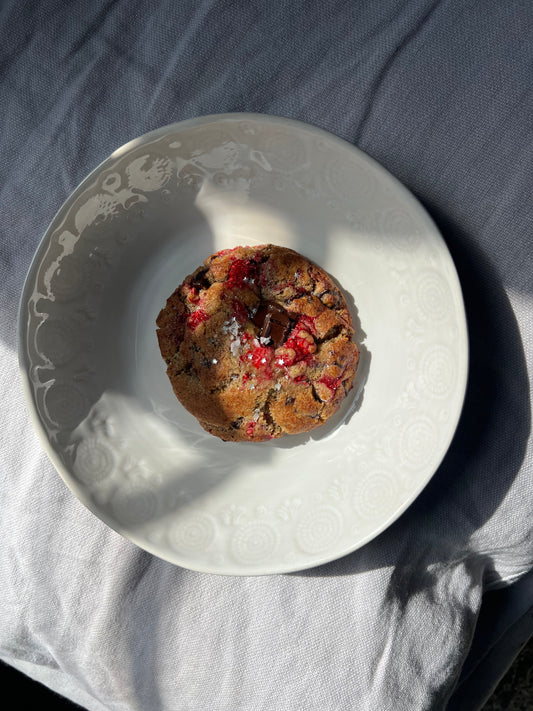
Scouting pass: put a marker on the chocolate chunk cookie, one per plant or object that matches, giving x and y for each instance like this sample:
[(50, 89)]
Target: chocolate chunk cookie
[(258, 344)]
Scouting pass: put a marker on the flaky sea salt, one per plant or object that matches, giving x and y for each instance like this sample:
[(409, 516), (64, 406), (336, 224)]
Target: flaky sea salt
[(232, 328), (235, 346)]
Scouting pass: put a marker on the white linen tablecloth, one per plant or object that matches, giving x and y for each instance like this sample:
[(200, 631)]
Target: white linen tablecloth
[(441, 93)]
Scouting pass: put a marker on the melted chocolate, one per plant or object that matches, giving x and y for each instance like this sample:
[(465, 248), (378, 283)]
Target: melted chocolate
[(274, 322)]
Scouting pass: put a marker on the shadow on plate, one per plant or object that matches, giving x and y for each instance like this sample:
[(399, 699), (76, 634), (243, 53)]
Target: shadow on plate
[(487, 450)]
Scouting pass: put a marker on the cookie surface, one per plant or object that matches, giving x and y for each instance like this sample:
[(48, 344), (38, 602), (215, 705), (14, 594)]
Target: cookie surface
[(258, 344)]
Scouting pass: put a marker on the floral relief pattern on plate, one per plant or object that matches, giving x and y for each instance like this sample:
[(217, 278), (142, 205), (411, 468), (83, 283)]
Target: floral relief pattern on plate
[(95, 383)]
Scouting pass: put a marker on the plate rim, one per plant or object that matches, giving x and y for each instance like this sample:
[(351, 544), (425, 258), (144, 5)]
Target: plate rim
[(23, 363)]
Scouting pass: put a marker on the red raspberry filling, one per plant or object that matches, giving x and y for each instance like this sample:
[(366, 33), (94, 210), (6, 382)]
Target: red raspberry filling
[(196, 318), (260, 356), (302, 348), (242, 274), (330, 382), (301, 345), (308, 324)]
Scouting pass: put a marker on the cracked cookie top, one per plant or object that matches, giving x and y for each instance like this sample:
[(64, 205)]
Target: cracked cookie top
[(258, 344)]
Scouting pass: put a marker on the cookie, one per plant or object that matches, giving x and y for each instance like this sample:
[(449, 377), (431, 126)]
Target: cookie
[(258, 344)]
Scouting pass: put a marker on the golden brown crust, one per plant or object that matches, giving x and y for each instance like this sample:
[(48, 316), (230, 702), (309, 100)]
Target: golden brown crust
[(250, 377)]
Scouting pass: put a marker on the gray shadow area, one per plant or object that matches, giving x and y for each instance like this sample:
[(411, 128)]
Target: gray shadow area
[(486, 453)]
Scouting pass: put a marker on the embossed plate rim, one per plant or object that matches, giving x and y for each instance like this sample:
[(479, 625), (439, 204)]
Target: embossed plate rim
[(67, 476)]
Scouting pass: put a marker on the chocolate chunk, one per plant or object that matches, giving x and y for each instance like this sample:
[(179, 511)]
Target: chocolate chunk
[(274, 322), (279, 331), (200, 280), (267, 324)]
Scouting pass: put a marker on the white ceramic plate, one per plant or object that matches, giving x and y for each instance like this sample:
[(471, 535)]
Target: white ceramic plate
[(96, 384)]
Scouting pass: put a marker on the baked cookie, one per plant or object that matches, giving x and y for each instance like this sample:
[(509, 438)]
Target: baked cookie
[(258, 344)]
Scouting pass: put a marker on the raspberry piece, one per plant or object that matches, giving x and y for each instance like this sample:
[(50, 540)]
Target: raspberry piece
[(300, 343), (308, 323), (196, 318), (331, 383), (261, 356), (242, 274)]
